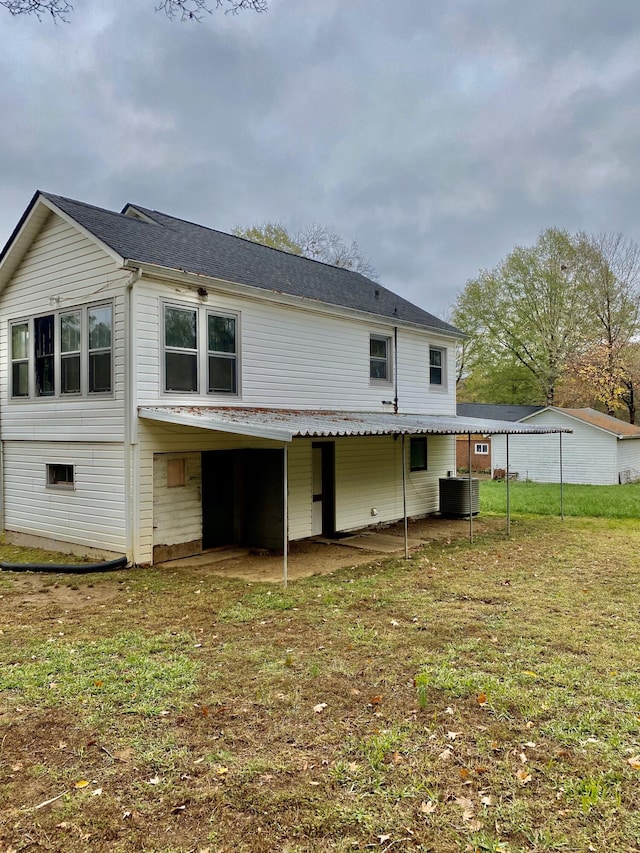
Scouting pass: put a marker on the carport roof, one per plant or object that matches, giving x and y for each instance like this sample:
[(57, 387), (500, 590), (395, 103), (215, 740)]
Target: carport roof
[(287, 424)]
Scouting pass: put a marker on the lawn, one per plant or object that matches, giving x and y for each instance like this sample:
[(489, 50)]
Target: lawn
[(479, 697), (544, 499)]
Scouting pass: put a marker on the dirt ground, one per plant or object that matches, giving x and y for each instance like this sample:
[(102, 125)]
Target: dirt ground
[(306, 558)]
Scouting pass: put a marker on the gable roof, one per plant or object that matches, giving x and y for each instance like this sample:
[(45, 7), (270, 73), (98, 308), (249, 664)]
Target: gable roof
[(140, 235), (621, 429), (495, 411)]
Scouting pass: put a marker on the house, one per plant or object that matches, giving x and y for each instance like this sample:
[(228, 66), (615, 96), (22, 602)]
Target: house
[(480, 444), (167, 388), (600, 450)]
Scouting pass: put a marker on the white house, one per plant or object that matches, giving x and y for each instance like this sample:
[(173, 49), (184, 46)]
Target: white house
[(167, 388), (600, 450)]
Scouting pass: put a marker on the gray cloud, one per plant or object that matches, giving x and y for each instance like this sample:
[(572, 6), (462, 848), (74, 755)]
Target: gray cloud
[(436, 135)]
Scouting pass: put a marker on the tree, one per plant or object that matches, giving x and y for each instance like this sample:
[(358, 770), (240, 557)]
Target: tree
[(528, 313), (186, 10), (314, 241)]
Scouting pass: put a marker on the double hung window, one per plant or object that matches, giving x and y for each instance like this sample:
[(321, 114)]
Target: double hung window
[(380, 358), (436, 366), (187, 359), (63, 353)]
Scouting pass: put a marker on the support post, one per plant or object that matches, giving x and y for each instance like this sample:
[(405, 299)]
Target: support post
[(561, 481), (470, 491), (508, 493), (285, 514), (404, 499)]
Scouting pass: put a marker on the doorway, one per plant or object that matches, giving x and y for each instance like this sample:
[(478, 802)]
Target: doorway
[(323, 521)]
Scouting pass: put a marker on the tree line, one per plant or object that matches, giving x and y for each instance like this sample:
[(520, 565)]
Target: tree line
[(556, 323), (185, 10)]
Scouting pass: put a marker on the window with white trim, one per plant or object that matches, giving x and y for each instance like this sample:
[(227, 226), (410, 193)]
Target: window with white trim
[(380, 358), (200, 342), (62, 353), (60, 476), (482, 448), (437, 364)]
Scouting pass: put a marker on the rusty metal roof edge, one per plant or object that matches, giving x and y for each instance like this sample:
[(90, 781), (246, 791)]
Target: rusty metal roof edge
[(286, 424)]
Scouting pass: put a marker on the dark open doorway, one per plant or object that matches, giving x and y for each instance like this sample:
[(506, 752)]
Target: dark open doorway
[(243, 498), (323, 459)]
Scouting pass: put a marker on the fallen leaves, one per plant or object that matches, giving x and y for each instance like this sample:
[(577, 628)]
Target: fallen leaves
[(634, 761)]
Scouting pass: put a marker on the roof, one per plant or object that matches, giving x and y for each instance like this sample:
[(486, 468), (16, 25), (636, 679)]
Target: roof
[(286, 424), (496, 411), (621, 429), (142, 236)]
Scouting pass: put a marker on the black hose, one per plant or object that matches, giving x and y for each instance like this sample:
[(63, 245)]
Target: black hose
[(71, 568)]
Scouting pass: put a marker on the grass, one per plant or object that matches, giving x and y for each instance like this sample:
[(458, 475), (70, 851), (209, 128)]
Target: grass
[(544, 499), (478, 697)]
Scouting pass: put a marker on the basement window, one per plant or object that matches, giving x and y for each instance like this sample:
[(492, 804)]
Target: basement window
[(60, 476)]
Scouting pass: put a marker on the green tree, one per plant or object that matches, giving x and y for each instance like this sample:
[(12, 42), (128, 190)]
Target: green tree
[(313, 241), (186, 10), (525, 319)]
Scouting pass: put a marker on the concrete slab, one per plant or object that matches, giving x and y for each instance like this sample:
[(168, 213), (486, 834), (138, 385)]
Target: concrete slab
[(384, 543)]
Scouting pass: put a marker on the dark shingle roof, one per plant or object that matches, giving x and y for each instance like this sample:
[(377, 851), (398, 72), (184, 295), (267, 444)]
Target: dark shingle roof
[(495, 411), (179, 245)]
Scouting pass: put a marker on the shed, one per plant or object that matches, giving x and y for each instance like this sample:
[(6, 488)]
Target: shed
[(601, 450)]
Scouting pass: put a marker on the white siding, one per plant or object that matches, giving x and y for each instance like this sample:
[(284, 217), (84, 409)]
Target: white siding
[(91, 514), (369, 476), (588, 454), (177, 511), (297, 358), (61, 270), (629, 460)]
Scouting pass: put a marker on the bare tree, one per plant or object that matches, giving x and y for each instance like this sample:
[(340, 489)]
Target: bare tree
[(185, 10)]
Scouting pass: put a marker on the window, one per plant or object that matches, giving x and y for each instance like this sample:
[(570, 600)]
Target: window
[(418, 454), (20, 360), (482, 448), (221, 334), (436, 366), (181, 349), (380, 358), (69, 352), (186, 361), (61, 476)]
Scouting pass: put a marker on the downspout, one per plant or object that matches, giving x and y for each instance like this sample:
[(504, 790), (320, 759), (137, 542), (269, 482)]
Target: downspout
[(404, 500), (285, 515), (395, 370), (130, 415)]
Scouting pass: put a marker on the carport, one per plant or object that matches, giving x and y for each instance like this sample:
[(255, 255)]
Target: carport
[(282, 426)]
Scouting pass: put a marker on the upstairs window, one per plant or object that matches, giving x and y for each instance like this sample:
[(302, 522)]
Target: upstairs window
[(380, 358), (61, 354), (436, 366), (181, 349), (187, 360), (20, 359), (221, 333)]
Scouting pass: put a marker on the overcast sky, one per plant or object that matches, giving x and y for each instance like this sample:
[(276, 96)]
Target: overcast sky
[(436, 134)]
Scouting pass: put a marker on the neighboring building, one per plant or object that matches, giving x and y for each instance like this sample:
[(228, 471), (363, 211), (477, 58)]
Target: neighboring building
[(600, 450), (480, 444)]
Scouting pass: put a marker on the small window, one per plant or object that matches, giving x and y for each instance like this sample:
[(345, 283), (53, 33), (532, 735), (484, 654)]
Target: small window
[(61, 476), (43, 331), (418, 454), (380, 358), (436, 366), (482, 448), (176, 473), (181, 349)]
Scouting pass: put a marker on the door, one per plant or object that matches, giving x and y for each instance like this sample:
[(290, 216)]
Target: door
[(323, 521)]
